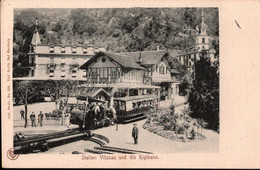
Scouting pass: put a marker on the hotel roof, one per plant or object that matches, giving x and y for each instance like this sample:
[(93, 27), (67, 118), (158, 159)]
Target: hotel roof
[(148, 57)]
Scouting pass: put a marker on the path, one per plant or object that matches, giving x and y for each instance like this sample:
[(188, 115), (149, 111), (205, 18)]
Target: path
[(153, 143)]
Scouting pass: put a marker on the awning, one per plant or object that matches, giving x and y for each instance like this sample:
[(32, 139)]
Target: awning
[(121, 86)]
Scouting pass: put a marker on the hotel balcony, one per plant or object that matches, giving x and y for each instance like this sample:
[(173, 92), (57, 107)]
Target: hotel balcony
[(74, 66), (51, 66)]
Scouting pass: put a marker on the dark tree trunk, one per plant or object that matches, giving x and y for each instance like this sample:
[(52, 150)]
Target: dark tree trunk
[(25, 115)]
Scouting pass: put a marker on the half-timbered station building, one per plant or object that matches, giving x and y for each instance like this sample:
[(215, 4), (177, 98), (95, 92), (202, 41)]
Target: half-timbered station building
[(131, 79)]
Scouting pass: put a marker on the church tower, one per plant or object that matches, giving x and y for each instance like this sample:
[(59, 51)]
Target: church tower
[(33, 58), (36, 37), (202, 37)]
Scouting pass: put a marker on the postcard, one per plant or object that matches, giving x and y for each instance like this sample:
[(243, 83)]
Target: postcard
[(128, 84)]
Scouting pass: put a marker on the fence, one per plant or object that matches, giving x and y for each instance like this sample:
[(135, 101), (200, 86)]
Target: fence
[(45, 121)]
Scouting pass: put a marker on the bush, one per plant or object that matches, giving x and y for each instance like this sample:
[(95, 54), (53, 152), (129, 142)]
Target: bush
[(167, 126), (180, 129)]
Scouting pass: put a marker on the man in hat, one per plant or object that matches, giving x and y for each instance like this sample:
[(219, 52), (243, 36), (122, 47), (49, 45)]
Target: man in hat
[(40, 118), (135, 133), (32, 117), (22, 114)]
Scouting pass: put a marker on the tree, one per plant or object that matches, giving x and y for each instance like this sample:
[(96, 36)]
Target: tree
[(58, 90), (204, 95), (24, 90)]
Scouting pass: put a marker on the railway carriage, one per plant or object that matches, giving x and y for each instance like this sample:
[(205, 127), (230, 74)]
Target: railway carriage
[(132, 108)]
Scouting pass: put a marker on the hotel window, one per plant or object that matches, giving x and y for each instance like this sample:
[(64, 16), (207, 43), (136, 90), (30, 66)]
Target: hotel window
[(74, 60), (62, 65), (74, 49), (85, 50), (166, 70), (84, 73), (74, 73), (62, 49), (51, 49), (51, 60), (96, 49), (113, 73), (63, 60), (94, 73), (62, 74), (161, 69), (51, 73)]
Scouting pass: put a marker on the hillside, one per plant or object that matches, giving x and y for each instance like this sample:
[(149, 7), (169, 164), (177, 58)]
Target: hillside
[(120, 29)]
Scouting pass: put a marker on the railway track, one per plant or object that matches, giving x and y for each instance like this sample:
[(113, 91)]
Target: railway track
[(46, 141), (40, 138)]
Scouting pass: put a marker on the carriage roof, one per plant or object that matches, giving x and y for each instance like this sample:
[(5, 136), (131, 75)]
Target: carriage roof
[(136, 98)]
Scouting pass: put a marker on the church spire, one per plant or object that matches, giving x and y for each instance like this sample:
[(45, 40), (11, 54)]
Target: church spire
[(202, 16), (36, 37)]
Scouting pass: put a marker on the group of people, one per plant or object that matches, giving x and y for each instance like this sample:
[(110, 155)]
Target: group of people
[(33, 119)]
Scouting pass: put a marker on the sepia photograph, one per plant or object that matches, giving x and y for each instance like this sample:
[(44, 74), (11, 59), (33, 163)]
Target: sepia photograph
[(130, 84), (116, 80)]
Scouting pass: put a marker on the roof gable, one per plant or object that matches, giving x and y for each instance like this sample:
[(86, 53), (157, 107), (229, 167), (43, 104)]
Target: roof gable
[(123, 60)]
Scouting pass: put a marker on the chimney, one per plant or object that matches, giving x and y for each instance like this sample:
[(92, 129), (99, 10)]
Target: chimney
[(158, 48), (140, 57)]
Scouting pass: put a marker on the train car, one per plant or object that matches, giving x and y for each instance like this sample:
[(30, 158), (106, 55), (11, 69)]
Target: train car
[(131, 108)]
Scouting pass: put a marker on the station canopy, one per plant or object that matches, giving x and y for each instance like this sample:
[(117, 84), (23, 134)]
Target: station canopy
[(121, 86)]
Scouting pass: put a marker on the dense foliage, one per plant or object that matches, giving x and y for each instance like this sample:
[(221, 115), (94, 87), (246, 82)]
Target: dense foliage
[(121, 29), (204, 95)]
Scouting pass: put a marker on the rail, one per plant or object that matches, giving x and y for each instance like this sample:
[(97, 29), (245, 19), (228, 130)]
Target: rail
[(45, 137)]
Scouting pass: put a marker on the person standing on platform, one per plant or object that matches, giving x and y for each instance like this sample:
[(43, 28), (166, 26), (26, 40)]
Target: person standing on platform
[(32, 117), (40, 117), (67, 119), (135, 134), (22, 114)]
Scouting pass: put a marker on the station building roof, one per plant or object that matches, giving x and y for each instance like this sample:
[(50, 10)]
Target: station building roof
[(126, 61)]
